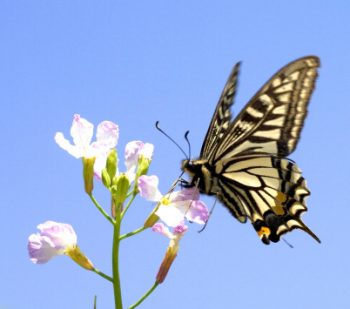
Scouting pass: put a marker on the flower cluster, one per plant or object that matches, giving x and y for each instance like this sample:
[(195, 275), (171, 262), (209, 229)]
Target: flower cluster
[(100, 162)]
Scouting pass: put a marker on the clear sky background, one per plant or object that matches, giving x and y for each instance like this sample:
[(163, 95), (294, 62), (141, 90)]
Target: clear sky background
[(135, 62)]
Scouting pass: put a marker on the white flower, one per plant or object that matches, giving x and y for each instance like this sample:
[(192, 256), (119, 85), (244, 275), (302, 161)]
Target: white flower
[(54, 239), (175, 206), (82, 131)]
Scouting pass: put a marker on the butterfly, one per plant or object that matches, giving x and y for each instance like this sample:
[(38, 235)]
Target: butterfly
[(243, 161)]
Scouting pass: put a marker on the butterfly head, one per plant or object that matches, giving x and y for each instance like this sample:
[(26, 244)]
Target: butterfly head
[(192, 167), (199, 172)]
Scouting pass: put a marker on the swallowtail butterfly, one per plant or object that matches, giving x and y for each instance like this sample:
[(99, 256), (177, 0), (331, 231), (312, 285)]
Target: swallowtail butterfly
[(244, 161)]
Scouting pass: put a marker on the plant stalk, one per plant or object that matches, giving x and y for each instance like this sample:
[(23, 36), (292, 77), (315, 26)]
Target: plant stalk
[(115, 262)]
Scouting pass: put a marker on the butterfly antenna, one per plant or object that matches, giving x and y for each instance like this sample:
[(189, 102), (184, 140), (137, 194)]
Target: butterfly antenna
[(188, 143), (177, 145)]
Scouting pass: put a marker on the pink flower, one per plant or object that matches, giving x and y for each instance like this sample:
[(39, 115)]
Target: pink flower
[(82, 131), (175, 206), (133, 151), (54, 239)]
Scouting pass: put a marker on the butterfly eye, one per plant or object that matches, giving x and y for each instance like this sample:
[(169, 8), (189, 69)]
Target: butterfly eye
[(184, 164), (189, 167)]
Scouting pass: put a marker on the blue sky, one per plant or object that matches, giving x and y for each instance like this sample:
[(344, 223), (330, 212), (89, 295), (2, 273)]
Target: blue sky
[(138, 62)]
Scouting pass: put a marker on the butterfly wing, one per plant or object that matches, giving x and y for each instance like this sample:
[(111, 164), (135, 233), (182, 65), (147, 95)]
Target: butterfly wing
[(272, 120), (253, 180), (222, 115), (270, 191)]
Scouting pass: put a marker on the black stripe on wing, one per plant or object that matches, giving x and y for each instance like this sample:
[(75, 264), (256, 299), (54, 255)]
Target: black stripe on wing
[(222, 115), (272, 120)]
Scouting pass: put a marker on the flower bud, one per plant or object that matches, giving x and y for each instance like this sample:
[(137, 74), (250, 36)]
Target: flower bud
[(143, 165), (120, 194), (88, 173), (112, 163), (106, 180)]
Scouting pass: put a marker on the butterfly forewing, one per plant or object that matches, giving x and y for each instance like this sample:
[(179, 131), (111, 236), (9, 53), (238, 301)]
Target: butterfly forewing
[(272, 120), (222, 115)]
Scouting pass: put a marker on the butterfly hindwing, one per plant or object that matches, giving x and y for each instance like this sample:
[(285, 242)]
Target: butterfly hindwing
[(268, 190)]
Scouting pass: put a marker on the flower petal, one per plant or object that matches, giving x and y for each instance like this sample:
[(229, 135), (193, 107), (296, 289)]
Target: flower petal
[(197, 213), (162, 229), (100, 164), (180, 229), (61, 234), (41, 249), (148, 187), (170, 215), (132, 150), (81, 131), (185, 194), (147, 150), (67, 146), (107, 134)]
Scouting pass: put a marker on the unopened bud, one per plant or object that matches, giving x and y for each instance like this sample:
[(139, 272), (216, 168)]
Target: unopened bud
[(121, 191), (112, 163), (106, 179), (143, 165)]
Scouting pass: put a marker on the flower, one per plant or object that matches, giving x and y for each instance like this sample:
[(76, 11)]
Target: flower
[(173, 247), (56, 239), (107, 135), (174, 206), (135, 150)]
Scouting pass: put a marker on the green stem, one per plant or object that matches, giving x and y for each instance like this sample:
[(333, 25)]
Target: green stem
[(128, 205), (139, 230), (115, 262), (101, 210), (103, 275), (148, 293)]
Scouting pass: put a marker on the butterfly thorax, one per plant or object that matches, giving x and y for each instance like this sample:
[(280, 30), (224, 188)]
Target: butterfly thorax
[(202, 175)]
